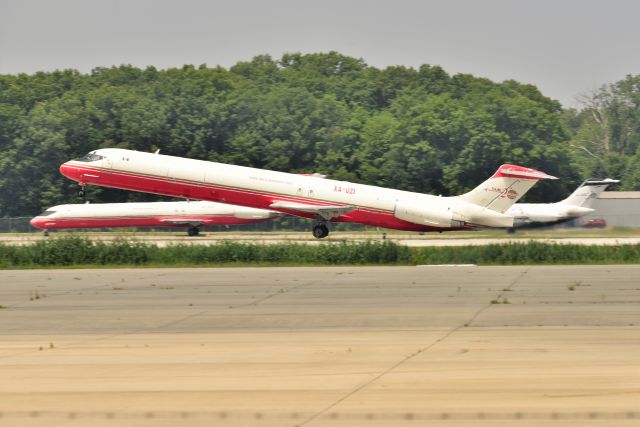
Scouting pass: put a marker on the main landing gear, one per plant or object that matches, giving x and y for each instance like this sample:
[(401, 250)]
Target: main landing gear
[(320, 231), (193, 231)]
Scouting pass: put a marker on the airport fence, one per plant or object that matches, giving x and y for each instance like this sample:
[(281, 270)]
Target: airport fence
[(16, 225)]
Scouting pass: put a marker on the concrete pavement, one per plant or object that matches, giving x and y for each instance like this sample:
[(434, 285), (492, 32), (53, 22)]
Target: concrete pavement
[(321, 346)]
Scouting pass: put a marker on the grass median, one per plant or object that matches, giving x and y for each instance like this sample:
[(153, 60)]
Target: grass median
[(81, 251)]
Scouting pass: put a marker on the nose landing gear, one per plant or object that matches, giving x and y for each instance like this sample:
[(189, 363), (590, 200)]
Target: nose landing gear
[(193, 231), (82, 192), (320, 231)]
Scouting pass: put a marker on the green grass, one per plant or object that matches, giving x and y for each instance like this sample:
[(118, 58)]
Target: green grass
[(75, 251), (69, 251)]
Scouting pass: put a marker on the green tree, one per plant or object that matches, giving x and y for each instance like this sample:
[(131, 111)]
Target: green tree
[(413, 129)]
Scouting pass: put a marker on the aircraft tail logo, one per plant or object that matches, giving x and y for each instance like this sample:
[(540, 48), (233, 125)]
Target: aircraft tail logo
[(508, 184)]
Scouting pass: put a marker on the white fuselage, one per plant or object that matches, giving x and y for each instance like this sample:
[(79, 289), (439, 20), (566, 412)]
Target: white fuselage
[(576, 205), (285, 192), (96, 215), (529, 213)]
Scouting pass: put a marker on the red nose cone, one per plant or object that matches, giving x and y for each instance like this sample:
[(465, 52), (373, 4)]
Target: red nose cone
[(37, 222), (69, 171), (64, 170)]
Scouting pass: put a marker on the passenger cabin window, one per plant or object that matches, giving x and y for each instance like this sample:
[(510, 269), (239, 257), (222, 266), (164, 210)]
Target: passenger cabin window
[(91, 157)]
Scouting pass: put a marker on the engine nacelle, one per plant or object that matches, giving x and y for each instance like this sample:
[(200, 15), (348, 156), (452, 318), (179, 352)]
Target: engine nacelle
[(433, 214), (478, 215)]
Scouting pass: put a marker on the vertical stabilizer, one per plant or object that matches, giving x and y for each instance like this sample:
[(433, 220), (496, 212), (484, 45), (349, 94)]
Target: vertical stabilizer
[(588, 192), (504, 188)]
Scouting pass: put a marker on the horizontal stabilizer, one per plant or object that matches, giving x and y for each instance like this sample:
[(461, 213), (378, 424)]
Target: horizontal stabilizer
[(594, 181), (515, 171)]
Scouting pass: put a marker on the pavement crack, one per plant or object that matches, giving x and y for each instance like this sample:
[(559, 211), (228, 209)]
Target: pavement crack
[(505, 289), (409, 357), (249, 304), (274, 294)]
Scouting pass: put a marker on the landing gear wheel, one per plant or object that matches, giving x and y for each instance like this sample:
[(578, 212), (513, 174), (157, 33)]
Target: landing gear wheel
[(193, 231), (45, 233), (320, 231), (81, 193)]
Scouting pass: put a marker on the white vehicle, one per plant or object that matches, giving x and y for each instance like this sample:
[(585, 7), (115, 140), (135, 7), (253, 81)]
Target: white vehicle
[(530, 215), (306, 195), (192, 214)]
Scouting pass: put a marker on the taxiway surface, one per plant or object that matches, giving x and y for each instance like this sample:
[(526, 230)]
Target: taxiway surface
[(389, 346)]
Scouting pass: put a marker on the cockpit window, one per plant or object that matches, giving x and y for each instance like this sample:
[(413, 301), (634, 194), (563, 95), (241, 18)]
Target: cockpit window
[(91, 157), (47, 212)]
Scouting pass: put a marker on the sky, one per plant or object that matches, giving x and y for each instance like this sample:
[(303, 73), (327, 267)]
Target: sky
[(564, 47)]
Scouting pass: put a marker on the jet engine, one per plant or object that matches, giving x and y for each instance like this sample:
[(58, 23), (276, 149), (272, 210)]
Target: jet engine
[(428, 213), (449, 212)]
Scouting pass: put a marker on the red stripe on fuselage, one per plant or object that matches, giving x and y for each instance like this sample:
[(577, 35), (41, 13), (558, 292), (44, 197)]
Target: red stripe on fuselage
[(48, 223), (230, 195), (77, 173)]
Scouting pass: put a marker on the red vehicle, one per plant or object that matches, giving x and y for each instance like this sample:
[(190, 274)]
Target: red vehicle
[(595, 223)]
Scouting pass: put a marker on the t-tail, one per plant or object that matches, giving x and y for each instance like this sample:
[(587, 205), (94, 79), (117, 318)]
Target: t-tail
[(588, 192), (504, 188)]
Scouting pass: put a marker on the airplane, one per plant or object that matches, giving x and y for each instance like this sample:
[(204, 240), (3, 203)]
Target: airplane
[(531, 215), (191, 214), (324, 200)]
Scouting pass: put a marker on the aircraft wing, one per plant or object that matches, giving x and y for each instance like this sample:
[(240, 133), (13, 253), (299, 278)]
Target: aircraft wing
[(193, 222), (325, 212)]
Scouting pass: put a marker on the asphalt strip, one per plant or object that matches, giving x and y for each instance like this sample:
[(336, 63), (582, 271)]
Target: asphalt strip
[(447, 265)]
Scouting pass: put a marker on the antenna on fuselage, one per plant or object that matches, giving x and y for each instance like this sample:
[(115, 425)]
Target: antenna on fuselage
[(157, 151)]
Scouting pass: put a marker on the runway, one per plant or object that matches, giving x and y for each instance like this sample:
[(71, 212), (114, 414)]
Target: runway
[(382, 346)]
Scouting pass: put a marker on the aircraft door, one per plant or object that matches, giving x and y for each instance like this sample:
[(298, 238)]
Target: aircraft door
[(305, 188), (107, 164), (302, 190)]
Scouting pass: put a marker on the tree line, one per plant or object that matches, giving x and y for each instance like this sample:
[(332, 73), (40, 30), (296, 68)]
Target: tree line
[(417, 129)]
